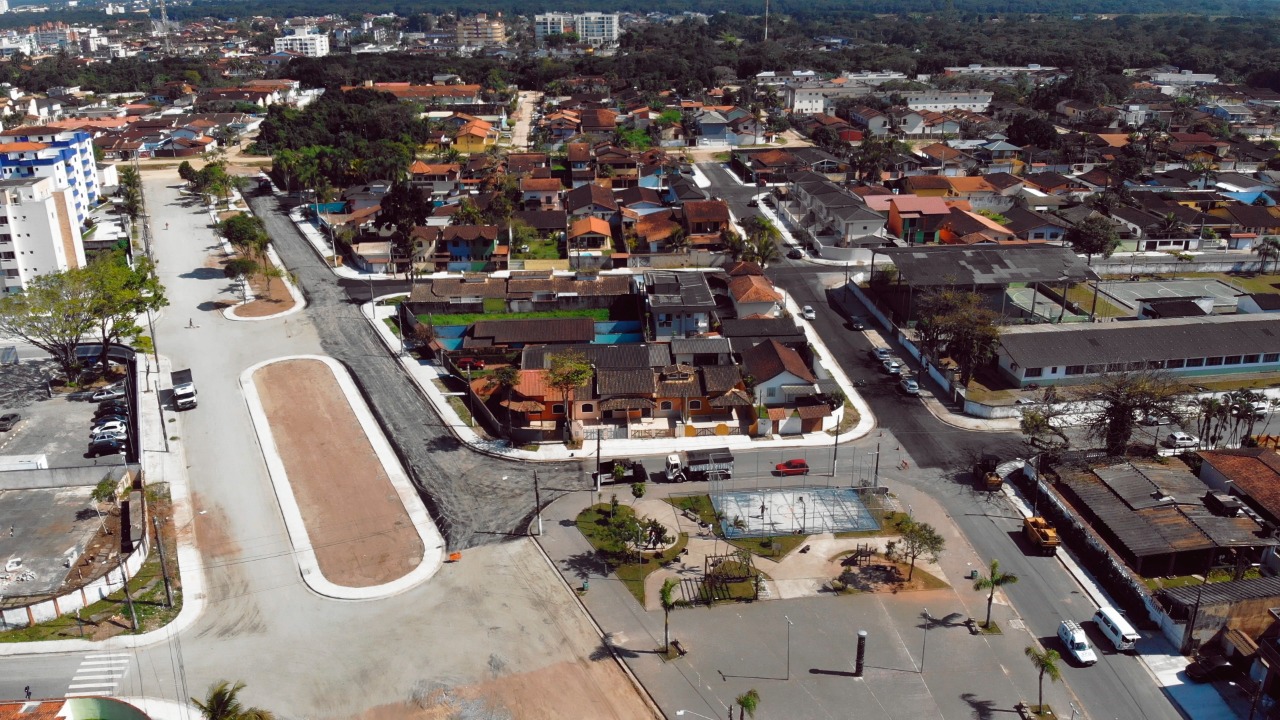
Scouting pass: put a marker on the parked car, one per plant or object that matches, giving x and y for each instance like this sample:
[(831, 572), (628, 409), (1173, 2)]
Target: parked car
[(891, 366), (1156, 419), (795, 254), (104, 419), (808, 313), (108, 393), (1076, 642), (793, 467), (112, 426), (110, 410), (879, 354), (106, 447), (469, 363), (753, 203), (1208, 669), (119, 403), (857, 323), (909, 386), (8, 420), (1181, 440), (120, 436)]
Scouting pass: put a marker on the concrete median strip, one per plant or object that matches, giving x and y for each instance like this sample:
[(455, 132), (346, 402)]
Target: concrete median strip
[(309, 564)]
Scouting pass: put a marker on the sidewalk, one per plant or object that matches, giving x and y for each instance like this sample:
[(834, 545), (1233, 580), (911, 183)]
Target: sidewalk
[(930, 391), (425, 373), (163, 461), (1159, 656)]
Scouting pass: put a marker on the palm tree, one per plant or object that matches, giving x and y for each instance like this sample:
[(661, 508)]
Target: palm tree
[(666, 596), (222, 702), (1046, 661), (763, 251), (1268, 248), (991, 581), (748, 702), (679, 242)]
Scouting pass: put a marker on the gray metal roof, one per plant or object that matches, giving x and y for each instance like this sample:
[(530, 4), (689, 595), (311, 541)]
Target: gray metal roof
[(1141, 340), (678, 289), (538, 357), (1224, 592), (699, 346), (987, 266)]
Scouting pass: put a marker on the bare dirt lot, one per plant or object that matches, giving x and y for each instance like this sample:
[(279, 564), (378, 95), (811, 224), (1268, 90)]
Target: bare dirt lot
[(359, 529)]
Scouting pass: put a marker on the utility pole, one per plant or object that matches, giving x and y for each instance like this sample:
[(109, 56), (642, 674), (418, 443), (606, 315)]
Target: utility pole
[(875, 483), (124, 582), (537, 502), (598, 429), (835, 449), (164, 568)]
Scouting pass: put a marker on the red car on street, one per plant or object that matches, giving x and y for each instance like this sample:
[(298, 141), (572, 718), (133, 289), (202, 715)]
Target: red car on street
[(469, 363), (793, 467)]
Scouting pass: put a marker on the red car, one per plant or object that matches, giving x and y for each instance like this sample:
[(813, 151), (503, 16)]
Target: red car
[(468, 363), (793, 467)]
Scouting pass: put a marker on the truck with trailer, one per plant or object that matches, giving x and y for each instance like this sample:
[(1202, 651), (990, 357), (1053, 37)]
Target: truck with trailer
[(700, 465), (1041, 534), (184, 389)]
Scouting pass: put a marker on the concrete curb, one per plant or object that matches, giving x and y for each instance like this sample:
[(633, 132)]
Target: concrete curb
[(1196, 701), (604, 637), (158, 466), (423, 374), (432, 542), (299, 302)]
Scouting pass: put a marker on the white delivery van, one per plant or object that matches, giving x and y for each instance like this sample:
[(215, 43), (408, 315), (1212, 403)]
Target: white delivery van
[(1073, 637), (1116, 628)]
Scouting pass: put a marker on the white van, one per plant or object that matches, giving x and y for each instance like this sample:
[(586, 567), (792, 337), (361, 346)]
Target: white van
[(1076, 642), (1116, 628)]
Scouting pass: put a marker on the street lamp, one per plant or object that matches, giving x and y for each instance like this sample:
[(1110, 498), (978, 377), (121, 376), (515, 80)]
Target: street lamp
[(789, 624), (925, 645), (471, 407), (804, 522)]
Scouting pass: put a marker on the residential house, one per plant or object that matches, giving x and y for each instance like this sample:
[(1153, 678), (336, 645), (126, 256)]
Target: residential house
[(591, 200), (1258, 303), (702, 351), (980, 194), (911, 218), (680, 303), (548, 224), (946, 160), (754, 296), (765, 167), (1053, 183), (926, 186), (540, 193), (589, 236), (598, 122), (581, 163), (461, 247), (474, 137), (969, 228), (704, 222), (516, 334), (439, 179), (1030, 225)]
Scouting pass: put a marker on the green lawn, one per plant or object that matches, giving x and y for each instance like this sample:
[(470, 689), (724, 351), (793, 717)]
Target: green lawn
[(541, 250), (698, 504), (773, 547), (597, 315), (593, 523), (1082, 294)]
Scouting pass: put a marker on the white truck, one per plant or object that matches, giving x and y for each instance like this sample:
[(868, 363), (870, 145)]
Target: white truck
[(1076, 642), (700, 465), (184, 389)]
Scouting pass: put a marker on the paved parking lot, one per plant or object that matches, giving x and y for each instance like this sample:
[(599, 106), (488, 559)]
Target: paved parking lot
[(47, 529), (57, 428)]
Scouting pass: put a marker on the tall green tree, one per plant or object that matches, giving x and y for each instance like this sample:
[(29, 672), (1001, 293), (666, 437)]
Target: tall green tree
[(995, 578), (54, 313), (403, 209), (1121, 398), (222, 702), (1094, 236), (119, 294), (568, 370), (505, 379), (1046, 663), (667, 598), (916, 540), (1268, 248)]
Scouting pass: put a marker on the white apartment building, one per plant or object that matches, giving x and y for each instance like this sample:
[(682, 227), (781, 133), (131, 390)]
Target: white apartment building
[(811, 98), (592, 28), (36, 236), (306, 41), (868, 77), (1184, 77), (997, 72), (64, 156), (941, 101)]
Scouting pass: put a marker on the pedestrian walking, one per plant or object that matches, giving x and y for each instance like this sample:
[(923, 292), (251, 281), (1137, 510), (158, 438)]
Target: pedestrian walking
[(27, 690), (191, 322), (166, 226)]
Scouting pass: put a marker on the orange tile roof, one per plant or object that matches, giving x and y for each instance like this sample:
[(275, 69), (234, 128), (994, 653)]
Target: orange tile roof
[(589, 224), (753, 289), (22, 146)]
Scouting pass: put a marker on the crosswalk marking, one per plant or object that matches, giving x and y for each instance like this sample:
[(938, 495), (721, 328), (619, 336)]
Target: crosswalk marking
[(99, 675)]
